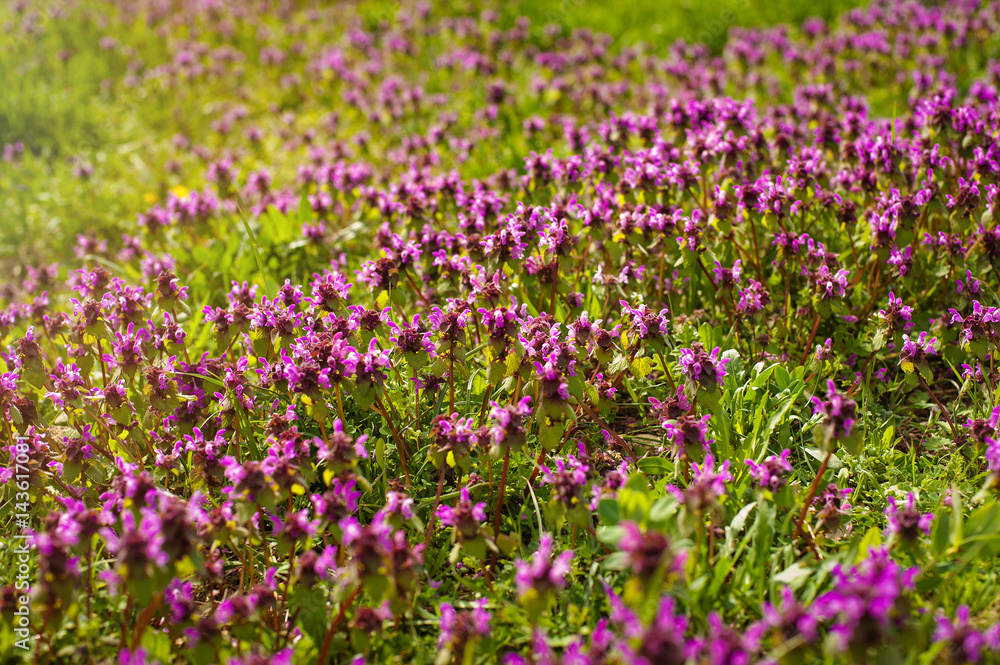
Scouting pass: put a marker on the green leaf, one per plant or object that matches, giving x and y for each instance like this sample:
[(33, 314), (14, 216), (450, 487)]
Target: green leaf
[(656, 466), (872, 539), (608, 511), (550, 434), (878, 340), (507, 544), (157, 645), (854, 444), (819, 455), (618, 365), (641, 367), (617, 561), (313, 611), (663, 511), (722, 427), (956, 514), (984, 520), (793, 576), (633, 500), (887, 435), (941, 531), (479, 384), (741, 517), (475, 547), (764, 533)]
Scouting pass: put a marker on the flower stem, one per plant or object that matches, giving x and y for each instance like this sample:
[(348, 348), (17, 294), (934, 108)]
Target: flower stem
[(437, 502), (812, 336), (503, 484), (346, 605), (400, 444), (944, 411), (812, 494)]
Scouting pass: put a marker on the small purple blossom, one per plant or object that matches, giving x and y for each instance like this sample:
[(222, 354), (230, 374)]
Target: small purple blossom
[(707, 485), (907, 522), (543, 573), (705, 369), (771, 473)]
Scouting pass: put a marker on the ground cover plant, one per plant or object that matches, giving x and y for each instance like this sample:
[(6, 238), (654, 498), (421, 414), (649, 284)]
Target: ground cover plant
[(447, 337)]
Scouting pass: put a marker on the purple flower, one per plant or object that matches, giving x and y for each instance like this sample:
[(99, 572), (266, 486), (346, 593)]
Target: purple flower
[(329, 291), (568, 480), (8, 392), (980, 323), (553, 388), (867, 602), (140, 547), (465, 517), (982, 429), (124, 304), (726, 646), (647, 324), (180, 599), (411, 338), (608, 486), (542, 653), (337, 502), (970, 287), (902, 261), (661, 642), (670, 408), (318, 362), (295, 526), (838, 413), (340, 451), (507, 431), (452, 434), (582, 328), (726, 278), (543, 573), (753, 299), (367, 320), (707, 485), (450, 327), (68, 385), (907, 522), (377, 550), (689, 434), (965, 643), (896, 317), (369, 367), (790, 618), (705, 369), (829, 285), (457, 628), (647, 550), (397, 503), (770, 474), (824, 351), (832, 507), (255, 657), (883, 230), (128, 349), (914, 352), (993, 459), (137, 657)]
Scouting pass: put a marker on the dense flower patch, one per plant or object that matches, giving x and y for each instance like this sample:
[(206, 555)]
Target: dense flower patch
[(706, 374)]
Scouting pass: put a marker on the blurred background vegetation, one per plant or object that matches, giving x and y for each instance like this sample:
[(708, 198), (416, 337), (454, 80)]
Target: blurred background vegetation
[(62, 98), (658, 23)]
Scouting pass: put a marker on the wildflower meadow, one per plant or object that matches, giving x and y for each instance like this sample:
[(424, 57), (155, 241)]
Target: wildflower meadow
[(461, 333)]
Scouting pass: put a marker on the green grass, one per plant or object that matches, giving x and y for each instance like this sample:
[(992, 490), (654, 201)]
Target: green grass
[(658, 24), (62, 109)]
